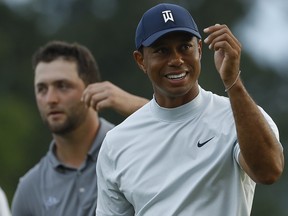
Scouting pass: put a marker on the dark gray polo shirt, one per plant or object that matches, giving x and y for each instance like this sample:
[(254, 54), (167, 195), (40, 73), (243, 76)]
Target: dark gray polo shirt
[(51, 188)]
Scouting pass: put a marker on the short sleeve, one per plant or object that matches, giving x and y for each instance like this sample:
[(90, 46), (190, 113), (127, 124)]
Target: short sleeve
[(271, 123), (110, 201), (236, 153)]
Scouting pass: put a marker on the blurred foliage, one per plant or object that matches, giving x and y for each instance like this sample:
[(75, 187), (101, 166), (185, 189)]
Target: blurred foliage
[(107, 27)]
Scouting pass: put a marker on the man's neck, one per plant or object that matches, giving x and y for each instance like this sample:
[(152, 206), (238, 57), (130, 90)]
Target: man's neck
[(71, 149)]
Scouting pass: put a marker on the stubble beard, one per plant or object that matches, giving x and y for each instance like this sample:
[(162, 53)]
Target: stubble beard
[(63, 128), (73, 121)]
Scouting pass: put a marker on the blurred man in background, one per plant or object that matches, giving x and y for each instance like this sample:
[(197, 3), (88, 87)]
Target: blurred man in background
[(69, 94)]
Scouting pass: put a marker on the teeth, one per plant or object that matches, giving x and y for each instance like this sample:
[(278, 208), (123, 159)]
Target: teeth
[(178, 76)]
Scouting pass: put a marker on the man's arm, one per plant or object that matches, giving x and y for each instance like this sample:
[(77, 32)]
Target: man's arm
[(261, 155), (103, 95)]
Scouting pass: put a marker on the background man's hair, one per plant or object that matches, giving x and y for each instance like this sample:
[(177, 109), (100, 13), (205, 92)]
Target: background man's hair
[(87, 66)]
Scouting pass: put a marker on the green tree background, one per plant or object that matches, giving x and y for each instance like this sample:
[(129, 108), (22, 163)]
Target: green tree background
[(107, 27)]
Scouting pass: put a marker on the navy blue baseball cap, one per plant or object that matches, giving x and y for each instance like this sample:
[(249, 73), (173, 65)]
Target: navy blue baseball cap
[(162, 19)]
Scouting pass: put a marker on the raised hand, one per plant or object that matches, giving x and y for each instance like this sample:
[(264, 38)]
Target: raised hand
[(227, 52), (103, 95)]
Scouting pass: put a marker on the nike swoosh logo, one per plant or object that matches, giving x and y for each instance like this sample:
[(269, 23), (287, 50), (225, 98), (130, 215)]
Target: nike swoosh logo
[(203, 143)]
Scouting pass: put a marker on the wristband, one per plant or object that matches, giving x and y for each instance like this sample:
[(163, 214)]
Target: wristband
[(227, 89)]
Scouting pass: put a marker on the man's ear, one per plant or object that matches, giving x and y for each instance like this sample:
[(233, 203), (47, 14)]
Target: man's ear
[(138, 56)]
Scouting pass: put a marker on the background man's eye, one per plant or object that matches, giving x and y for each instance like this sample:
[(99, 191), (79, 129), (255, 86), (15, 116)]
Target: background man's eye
[(40, 89)]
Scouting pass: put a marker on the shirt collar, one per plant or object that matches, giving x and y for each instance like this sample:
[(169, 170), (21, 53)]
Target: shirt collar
[(104, 127)]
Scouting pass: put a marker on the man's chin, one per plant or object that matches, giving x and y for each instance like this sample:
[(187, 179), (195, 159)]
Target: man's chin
[(59, 129)]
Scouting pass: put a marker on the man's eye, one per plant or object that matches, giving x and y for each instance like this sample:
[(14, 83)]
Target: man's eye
[(63, 85), (41, 89), (161, 50), (186, 46)]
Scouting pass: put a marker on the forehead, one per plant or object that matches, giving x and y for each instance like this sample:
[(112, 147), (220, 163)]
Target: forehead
[(59, 69)]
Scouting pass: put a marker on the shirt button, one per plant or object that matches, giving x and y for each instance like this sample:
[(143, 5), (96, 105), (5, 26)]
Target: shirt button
[(81, 190)]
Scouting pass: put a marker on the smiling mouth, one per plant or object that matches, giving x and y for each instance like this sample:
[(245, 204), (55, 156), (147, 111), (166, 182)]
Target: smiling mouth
[(176, 76)]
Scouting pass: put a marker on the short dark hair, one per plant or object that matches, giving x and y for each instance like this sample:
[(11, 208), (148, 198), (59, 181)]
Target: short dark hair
[(87, 66)]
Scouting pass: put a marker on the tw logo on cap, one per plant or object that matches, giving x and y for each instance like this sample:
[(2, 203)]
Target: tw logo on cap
[(167, 15)]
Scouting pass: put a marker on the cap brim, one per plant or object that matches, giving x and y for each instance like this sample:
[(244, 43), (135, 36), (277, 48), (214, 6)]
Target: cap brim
[(150, 40)]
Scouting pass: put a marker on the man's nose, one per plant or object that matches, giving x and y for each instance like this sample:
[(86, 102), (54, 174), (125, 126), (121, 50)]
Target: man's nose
[(175, 58), (52, 96)]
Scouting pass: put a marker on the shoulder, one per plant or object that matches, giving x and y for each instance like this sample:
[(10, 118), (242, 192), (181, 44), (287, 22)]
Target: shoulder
[(126, 129), (28, 186), (131, 122), (32, 175), (270, 121), (106, 125), (215, 98), (215, 104)]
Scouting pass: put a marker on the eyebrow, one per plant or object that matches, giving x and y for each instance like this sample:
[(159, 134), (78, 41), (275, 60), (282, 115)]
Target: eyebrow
[(54, 81)]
